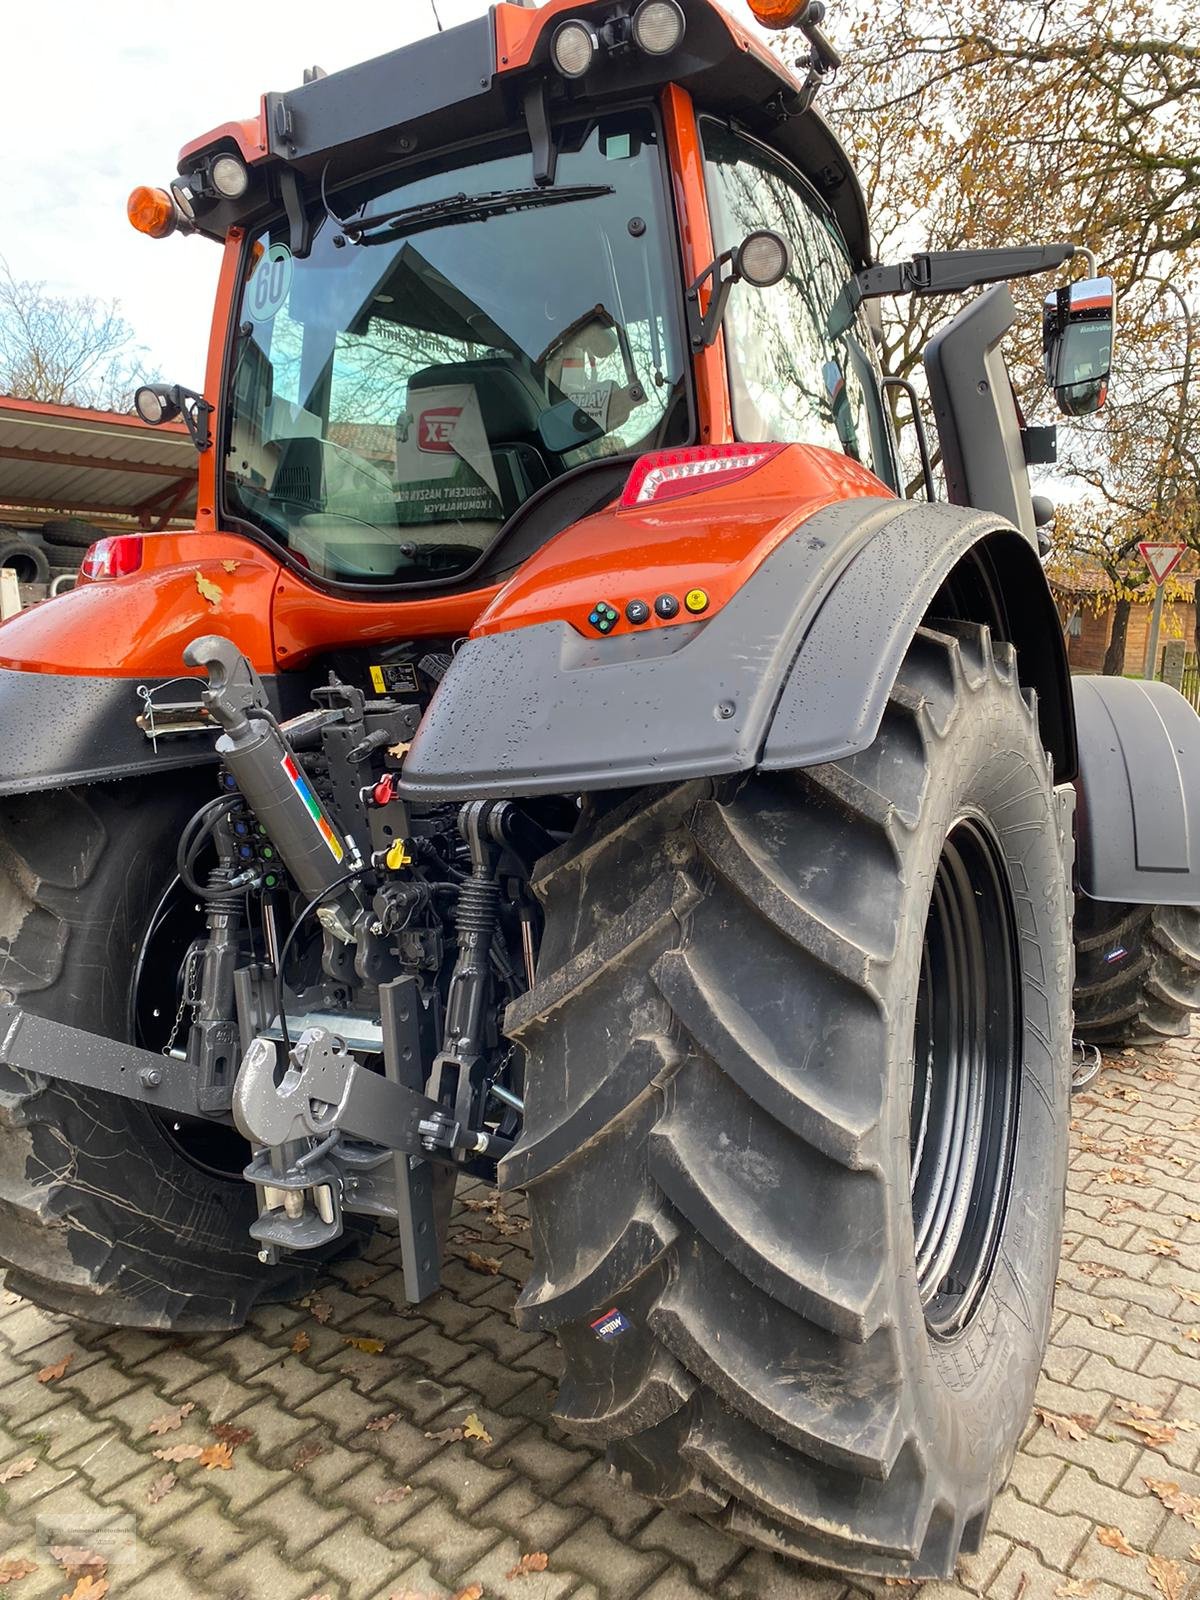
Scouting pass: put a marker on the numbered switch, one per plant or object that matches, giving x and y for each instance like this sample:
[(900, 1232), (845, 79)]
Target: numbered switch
[(667, 606), (637, 612)]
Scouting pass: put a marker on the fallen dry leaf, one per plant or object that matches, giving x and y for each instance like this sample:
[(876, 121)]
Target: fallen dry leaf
[(179, 1452), (230, 1434), (161, 1488), (473, 1591), (1142, 1413), (1173, 1497), (446, 1435), (75, 1560), (393, 1495), (208, 590), (1194, 1552), (1162, 1247), (307, 1453), (53, 1373), (1169, 1577), (1097, 1269), (474, 1429), (1158, 1075), (1190, 1295), (1121, 1175), (1076, 1586), (478, 1263), (300, 1343), (170, 1420), (535, 1561), (1113, 1320), (217, 1455), (13, 1568), (88, 1588), (231, 566), (1076, 1426), (1115, 1540), (382, 1424), (1152, 1432), (318, 1308), (18, 1469), (370, 1347)]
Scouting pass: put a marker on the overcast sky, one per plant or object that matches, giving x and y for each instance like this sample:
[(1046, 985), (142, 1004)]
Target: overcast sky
[(99, 98)]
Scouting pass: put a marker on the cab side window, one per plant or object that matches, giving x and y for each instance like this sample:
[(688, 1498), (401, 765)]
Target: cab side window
[(792, 380)]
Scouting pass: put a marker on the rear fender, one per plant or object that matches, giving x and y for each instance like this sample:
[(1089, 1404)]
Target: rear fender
[(793, 670), (1138, 792)]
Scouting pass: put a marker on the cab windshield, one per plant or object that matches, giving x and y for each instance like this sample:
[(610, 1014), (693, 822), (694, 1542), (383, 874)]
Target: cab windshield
[(451, 345)]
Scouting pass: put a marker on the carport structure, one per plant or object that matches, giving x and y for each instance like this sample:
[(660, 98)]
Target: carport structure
[(113, 470)]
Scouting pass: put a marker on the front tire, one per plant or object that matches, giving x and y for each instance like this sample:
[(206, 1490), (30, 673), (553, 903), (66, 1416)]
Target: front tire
[(786, 1296), (1137, 972), (105, 1213)]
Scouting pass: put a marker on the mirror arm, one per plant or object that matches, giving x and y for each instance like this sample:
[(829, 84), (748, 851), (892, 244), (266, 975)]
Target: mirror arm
[(195, 411), (703, 326)]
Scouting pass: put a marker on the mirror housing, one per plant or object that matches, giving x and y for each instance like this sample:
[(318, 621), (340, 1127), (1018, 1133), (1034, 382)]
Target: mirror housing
[(1078, 321)]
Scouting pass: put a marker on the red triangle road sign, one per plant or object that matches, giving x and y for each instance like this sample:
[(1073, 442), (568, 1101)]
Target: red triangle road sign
[(1162, 559)]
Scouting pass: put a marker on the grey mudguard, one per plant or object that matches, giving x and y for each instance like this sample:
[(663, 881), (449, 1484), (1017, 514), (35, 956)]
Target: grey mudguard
[(794, 670), (59, 729), (1138, 792)]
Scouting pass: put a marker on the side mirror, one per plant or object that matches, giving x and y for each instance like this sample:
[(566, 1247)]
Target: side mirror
[(564, 426), (1077, 344)]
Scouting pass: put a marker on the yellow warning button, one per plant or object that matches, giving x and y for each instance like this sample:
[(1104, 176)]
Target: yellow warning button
[(696, 600)]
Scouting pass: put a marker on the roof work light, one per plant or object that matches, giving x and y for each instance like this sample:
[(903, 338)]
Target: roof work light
[(658, 27)]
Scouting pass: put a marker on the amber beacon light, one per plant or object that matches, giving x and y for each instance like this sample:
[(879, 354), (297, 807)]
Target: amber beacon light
[(777, 13), (152, 211)]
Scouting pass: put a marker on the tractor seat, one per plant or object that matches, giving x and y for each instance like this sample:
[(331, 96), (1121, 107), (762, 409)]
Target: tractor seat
[(511, 403)]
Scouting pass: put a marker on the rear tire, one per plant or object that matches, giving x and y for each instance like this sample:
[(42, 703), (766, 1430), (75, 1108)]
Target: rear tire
[(722, 1110), (28, 560), (1137, 972), (102, 1215)]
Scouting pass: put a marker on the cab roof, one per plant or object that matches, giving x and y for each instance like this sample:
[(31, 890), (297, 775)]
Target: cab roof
[(473, 81)]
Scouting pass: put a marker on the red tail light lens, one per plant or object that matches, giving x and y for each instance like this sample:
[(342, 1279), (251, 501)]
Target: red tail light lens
[(667, 474), (113, 558)]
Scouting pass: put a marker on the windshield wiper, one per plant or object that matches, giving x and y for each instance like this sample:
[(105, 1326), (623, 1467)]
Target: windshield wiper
[(390, 225)]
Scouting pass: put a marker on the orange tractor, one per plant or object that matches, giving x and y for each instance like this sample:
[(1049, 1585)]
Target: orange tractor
[(559, 754)]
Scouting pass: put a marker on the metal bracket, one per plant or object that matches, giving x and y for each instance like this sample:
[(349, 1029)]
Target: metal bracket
[(54, 1050)]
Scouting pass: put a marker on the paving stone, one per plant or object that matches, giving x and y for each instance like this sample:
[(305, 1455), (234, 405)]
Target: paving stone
[(264, 1531), (1134, 1510)]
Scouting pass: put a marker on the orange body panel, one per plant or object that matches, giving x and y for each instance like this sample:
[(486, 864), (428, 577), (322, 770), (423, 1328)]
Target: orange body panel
[(138, 626), (712, 540), (249, 135), (307, 623), (686, 160)]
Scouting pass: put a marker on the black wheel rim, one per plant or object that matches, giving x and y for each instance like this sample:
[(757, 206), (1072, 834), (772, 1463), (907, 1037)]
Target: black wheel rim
[(156, 990), (966, 1076)]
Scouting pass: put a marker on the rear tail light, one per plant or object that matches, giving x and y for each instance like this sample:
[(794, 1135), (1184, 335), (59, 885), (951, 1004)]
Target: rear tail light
[(113, 558), (667, 474)]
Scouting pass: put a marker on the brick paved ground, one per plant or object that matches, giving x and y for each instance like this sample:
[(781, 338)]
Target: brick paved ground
[(318, 1501)]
